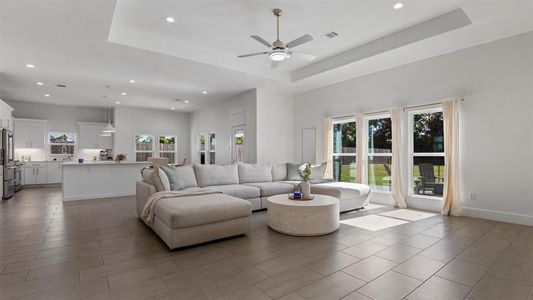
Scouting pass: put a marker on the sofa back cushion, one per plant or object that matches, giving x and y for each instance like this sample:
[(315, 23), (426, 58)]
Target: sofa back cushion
[(255, 173), (318, 171), (279, 172), (207, 175)]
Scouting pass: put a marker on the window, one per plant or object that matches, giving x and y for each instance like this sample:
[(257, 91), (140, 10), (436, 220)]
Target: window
[(344, 153), (426, 147), (379, 153), (167, 148), (144, 147), (62, 143), (212, 148), (238, 143), (201, 141)]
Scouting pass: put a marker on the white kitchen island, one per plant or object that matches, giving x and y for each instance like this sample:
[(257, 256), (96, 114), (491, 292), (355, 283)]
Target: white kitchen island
[(100, 179)]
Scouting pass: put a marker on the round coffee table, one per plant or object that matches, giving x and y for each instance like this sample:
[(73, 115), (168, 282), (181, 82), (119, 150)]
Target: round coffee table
[(303, 218)]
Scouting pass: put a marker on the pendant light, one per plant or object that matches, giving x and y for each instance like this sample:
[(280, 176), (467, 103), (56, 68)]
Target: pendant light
[(108, 129)]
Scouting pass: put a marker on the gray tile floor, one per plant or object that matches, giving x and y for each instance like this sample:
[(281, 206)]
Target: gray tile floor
[(98, 249)]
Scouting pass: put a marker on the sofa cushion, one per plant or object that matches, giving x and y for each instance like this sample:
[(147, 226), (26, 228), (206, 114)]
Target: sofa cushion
[(164, 179), (254, 173), (318, 171), (273, 188), (292, 171), (279, 172), (294, 183), (341, 190), (240, 191), (189, 211), (208, 175)]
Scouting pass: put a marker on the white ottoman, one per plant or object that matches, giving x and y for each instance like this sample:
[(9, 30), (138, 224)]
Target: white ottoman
[(303, 218), (351, 195)]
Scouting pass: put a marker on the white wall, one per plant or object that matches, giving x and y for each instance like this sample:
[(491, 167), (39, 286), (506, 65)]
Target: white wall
[(274, 127), (496, 81), (131, 121), (217, 118), (59, 118)]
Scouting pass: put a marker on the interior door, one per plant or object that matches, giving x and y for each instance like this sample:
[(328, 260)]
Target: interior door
[(238, 143)]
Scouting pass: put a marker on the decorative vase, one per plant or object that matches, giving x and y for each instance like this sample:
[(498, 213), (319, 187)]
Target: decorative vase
[(306, 189)]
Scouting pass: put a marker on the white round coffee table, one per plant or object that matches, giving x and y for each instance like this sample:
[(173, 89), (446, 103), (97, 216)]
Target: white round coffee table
[(303, 218)]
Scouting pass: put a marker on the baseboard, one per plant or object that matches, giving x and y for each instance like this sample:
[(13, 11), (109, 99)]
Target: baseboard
[(89, 197), (498, 216)]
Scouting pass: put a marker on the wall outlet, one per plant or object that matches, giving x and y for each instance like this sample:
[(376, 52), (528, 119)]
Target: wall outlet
[(471, 196)]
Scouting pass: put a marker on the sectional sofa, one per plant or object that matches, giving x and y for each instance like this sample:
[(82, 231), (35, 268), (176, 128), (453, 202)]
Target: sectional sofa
[(244, 188)]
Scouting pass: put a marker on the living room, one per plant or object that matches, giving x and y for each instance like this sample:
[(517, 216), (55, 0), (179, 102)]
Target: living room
[(152, 153)]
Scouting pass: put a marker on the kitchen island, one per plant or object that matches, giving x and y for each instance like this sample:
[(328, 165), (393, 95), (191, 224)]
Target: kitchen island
[(100, 179)]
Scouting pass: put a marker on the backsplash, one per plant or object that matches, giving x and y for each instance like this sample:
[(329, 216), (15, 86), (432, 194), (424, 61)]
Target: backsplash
[(42, 155)]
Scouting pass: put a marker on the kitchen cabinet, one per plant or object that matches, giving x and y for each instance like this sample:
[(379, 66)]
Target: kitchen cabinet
[(6, 121), (30, 133), (34, 173), (53, 172), (90, 137)]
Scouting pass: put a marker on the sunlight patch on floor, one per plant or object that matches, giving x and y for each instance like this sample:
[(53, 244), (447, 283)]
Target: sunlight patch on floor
[(373, 222), (407, 214)]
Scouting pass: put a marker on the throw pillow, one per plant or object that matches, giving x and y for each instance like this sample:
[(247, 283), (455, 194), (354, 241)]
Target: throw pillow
[(176, 183), (164, 179), (155, 180), (318, 171), (292, 171)]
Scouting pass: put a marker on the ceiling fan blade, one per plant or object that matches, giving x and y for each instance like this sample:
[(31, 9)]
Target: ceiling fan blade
[(305, 56), (253, 54), (301, 40), (261, 40), (274, 64)]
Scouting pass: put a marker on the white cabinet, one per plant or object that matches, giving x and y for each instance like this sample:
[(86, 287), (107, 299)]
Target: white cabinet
[(30, 133), (34, 173), (90, 137), (53, 172), (5, 115)]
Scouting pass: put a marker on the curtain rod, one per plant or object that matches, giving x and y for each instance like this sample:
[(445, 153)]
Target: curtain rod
[(386, 111)]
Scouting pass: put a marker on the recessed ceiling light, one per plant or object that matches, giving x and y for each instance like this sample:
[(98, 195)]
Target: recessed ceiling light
[(40, 83), (46, 95), (398, 5), (30, 66), (170, 19), (123, 94), (186, 101), (204, 92), (118, 102), (132, 81), (173, 108)]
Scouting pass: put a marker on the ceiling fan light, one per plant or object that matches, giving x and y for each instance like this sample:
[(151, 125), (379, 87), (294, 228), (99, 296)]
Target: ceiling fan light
[(105, 133), (109, 129), (278, 55)]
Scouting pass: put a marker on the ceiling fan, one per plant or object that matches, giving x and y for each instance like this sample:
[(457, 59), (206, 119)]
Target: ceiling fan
[(280, 51)]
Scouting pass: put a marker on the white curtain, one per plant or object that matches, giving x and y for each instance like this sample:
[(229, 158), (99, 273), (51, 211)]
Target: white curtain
[(398, 163), (361, 149), (328, 146), (452, 183)]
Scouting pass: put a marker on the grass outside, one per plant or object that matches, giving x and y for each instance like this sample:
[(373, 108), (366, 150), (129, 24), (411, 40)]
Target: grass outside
[(378, 176)]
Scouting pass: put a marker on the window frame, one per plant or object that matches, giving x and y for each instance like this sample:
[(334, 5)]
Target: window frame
[(367, 152), (334, 154), (58, 144), (135, 151), (411, 154), (175, 146)]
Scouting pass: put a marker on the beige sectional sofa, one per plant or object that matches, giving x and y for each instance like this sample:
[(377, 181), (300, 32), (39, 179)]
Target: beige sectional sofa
[(245, 187)]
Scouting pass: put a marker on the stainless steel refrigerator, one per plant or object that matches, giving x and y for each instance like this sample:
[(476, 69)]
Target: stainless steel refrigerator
[(8, 163)]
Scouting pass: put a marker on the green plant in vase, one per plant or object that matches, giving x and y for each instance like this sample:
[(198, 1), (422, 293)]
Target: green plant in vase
[(305, 174)]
